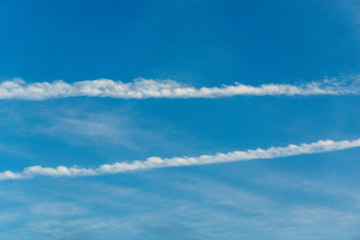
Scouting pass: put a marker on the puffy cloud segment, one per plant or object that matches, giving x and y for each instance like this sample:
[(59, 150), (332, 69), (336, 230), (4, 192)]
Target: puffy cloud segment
[(157, 162), (147, 88)]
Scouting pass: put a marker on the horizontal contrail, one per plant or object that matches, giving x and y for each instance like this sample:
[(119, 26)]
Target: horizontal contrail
[(157, 162), (147, 88)]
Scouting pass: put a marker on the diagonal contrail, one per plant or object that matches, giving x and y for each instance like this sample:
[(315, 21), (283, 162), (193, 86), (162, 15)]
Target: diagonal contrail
[(157, 162)]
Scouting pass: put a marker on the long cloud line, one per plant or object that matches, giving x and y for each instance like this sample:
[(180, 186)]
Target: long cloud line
[(157, 162), (148, 88)]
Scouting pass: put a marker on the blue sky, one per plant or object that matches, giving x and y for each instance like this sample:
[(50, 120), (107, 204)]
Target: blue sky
[(188, 45)]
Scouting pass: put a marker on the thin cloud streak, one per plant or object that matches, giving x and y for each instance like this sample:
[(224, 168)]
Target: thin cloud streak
[(148, 88), (157, 162)]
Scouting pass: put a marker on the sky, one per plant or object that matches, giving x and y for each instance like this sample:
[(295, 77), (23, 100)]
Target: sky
[(174, 119)]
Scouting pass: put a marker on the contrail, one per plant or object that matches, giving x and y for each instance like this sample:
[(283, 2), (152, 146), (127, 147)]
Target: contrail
[(157, 162), (148, 88)]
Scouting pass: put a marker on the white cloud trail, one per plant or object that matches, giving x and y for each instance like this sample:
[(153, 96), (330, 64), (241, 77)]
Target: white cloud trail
[(148, 88), (157, 162)]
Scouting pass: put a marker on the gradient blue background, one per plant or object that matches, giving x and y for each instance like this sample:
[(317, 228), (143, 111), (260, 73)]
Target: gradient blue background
[(200, 43)]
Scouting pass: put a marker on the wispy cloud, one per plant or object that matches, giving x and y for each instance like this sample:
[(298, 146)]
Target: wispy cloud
[(157, 162), (57, 209), (148, 88)]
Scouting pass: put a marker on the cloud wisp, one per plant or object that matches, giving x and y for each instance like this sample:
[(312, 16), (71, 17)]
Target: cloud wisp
[(157, 162), (148, 88)]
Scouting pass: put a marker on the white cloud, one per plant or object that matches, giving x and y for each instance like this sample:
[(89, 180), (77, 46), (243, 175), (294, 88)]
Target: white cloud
[(148, 88), (157, 162)]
